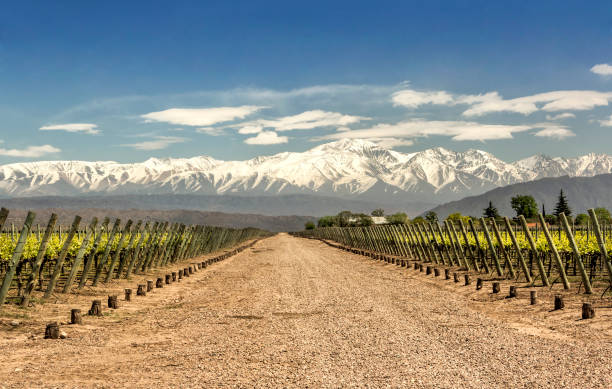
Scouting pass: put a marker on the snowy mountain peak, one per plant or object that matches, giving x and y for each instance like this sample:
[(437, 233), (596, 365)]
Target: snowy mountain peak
[(348, 167), (347, 145)]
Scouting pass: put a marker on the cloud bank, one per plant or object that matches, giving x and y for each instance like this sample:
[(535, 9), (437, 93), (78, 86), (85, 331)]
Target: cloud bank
[(266, 138), (603, 69), (200, 117), (157, 143), (29, 152), (85, 128)]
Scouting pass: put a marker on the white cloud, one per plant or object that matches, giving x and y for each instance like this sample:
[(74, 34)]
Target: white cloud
[(603, 69), (413, 99), (212, 131), (266, 138), (457, 130), (29, 152), (250, 129), (564, 100), (200, 116), (606, 122), (390, 143), (85, 128), (158, 143), (569, 100), (304, 121), (561, 116), (555, 132)]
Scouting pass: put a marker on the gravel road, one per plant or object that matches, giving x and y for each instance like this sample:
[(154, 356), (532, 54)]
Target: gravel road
[(296, 313)]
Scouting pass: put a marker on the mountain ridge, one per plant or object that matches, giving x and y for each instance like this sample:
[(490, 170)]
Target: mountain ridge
[(348, 168), (582, 193)]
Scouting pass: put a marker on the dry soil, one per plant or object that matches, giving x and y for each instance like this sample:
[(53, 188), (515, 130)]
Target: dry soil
[(291, 312)]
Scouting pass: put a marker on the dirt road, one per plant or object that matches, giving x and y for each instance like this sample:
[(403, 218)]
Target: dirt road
[(296, 313)]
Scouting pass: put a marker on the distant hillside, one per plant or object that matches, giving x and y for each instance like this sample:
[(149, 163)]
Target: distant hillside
[(582, 193), (235, 220), (298, 204)]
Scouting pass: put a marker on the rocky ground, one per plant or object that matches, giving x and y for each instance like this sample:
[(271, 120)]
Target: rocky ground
[(291, 312)]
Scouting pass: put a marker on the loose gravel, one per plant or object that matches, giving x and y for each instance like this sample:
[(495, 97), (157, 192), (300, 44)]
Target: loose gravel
[(296, 313)]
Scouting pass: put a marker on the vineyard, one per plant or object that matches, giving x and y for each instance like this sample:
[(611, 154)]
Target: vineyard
[(53, 260), (534, 253)]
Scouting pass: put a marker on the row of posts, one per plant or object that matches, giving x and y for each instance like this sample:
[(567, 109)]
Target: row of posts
[(425, 242), (159, 244)]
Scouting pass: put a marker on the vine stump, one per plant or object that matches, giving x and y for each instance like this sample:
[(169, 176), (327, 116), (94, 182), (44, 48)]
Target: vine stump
[(512, 293), (496, 287), (96, 308), (113, 302), (559, 303), (587, 311), (52, 331), (75, 316)]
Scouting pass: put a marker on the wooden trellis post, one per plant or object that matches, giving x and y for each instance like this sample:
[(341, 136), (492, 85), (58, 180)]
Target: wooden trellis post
[(570, 237), (469, 247), (16, 257), (62, 256), (493, 252), (107, 250), (92, 253), (534, 249), (553, 248), (115, 258), (42, 249), (79, 257), (502, 248), (480, 250), (517, 248), (601, 243)]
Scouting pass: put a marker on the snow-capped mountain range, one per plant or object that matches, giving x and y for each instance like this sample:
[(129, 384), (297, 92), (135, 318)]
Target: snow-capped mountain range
[(346, 168)]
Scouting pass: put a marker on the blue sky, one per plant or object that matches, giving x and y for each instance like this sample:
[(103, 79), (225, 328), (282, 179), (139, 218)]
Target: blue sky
[(126, 81)]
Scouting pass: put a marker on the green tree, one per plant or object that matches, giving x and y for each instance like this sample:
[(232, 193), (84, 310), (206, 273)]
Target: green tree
[(327, 221), (309, 226), (343, 219), (431, 217), (524, 205), (364, 220), (562, 205), (551, 219), (418, 219), (378, 212), (603, 215), (582, 219), (454, 217), (398, 218), (491, 211)]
